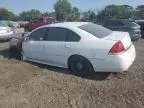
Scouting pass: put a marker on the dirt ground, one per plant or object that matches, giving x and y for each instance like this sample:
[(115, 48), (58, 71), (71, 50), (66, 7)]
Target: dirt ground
[(27, 85)]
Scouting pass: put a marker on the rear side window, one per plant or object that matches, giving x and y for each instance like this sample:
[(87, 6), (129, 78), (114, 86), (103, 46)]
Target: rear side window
[(72, 37), (56, 34), (96, 30)]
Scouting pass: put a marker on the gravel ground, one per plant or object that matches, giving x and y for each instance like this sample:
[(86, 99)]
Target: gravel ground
[(27, 85)]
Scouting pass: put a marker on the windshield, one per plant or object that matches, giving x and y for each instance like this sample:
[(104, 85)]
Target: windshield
[(96, 30)]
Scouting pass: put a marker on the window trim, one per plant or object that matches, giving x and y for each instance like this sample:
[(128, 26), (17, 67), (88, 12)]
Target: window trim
[(67, 33), (35, 31), (74, 33)]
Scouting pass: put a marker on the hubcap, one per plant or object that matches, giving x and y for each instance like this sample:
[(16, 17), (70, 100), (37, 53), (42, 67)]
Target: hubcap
[(79, 66)]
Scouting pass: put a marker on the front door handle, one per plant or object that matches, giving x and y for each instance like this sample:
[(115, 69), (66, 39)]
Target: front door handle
[(67, 46)]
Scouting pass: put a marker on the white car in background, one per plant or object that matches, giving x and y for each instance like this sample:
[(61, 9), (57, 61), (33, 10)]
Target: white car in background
[(5, 32), (80, 46), (11, 24)]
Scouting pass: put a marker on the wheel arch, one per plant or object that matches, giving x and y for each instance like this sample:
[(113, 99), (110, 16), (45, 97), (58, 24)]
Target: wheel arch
[(76, 55)]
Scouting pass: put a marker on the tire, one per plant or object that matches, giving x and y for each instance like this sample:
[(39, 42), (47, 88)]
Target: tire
[(80, 66)]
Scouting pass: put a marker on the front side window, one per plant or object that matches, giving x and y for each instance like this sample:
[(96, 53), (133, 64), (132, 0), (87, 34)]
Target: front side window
[(38, 34), (56, 34)]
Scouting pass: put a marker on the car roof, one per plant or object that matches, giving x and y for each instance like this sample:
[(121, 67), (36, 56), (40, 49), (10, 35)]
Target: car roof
[(139, 21), (119, 20), (67, 24)]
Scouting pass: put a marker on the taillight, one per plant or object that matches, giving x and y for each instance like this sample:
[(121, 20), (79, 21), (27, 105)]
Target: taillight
[(117, 48)]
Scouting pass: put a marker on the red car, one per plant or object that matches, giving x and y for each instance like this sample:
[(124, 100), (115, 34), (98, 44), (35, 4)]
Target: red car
[(39, 22)]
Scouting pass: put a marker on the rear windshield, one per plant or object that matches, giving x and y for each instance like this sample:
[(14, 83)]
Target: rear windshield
[(96, 30)]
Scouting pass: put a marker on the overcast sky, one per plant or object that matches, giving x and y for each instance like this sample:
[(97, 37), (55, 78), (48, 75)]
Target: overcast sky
[(18, 6)]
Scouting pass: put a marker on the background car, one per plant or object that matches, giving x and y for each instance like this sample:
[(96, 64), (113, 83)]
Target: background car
[(125, 25), (11, 24), (38, 22), (5, 32), (141, 23), (80, 46)]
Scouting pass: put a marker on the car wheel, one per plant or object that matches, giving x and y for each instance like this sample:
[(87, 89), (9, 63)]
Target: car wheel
[(80, 66)]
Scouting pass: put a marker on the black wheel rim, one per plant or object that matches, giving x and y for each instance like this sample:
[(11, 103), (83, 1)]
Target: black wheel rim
[(80, 67)]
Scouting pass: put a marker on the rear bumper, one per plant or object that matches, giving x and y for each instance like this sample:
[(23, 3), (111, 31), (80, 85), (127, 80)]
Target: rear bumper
[(115, 63), (135, 36)]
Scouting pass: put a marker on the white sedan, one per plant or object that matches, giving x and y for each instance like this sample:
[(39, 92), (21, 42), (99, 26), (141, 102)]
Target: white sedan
[(5, 31), (80, 46)]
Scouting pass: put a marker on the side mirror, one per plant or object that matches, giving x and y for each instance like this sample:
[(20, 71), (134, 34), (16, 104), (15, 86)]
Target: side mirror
[(26, 39)]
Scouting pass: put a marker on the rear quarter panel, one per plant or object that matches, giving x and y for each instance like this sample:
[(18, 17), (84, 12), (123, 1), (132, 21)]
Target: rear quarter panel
[(92, 49)]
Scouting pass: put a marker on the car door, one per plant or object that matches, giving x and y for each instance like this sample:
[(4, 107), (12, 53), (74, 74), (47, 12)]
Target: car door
[(33, 46), (56, 47)]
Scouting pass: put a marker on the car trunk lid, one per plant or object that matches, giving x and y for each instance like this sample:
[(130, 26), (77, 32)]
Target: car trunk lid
[(120, 36)]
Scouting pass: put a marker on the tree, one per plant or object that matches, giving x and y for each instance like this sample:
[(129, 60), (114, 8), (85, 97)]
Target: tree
[(45, 14), (49, 14), (89, 16), (109, 12), (29, 15), (115, 11), (92, 16), (84, 17), (6, 15), (140, 12), (75, 15), (63, 10), (128, 11)]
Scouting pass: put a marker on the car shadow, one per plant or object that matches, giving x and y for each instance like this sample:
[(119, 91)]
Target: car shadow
[(5, 53), (99, 76)]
